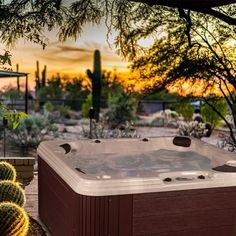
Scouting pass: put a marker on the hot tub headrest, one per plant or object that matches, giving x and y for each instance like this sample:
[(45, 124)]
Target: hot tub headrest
[(182, 141)]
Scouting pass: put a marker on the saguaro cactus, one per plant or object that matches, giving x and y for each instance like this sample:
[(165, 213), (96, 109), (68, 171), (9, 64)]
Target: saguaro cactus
[(44, 76), (11, 192), (7, 171), (14, 221), (40, 82), (96, 77)]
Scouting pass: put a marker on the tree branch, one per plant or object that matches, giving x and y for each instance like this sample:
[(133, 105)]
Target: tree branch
[(222, 117), (228, 19), (197, 4), (203, 6)]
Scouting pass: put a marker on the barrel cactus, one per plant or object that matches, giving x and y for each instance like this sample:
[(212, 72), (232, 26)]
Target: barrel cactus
[(96, 78), (14, 221), (7, 171), (11, 192)]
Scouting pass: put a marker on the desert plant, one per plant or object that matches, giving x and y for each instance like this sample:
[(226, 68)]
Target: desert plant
[(52, 90), (193, 129), (7, 171), (48, 106), (11, 94), (86, 106), (209, 115), (33, 129), (40, 82), (75, 92), (64, 111), (226, 142), (96, 77), (11, 115), (121, 109), (11, 192), (185, 109), (14, 221)]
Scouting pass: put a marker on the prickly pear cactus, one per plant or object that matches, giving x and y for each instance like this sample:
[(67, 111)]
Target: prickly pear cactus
[(14, 221), (7, 171), (11, 192), (96, 77)]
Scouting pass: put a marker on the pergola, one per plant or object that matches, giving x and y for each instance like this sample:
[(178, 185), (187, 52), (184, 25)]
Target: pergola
[(11, 74)]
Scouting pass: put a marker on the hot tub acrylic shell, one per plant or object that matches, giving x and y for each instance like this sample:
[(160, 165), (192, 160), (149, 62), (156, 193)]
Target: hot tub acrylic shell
[(73, 203)]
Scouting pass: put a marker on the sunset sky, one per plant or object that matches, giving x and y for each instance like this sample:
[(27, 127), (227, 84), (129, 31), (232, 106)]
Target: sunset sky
[(71, 57)]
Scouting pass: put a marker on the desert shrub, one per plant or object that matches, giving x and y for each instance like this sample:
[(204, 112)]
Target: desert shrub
[(64, 111), (121, 109), (75, 94), (209, 115), (193, 129), (32, 130), (226, 143), (185, 109), (86, 105), (12, 94), (48, 106)]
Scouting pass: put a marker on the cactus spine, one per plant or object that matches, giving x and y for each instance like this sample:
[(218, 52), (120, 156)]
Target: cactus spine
[(11, 192), (96, 78), (7, 171), (14, 221)]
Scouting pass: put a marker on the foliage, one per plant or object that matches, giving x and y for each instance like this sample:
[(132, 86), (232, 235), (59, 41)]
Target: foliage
[(11, 192), (211, 116), (86, 106), (33, 129), (11, 115), (193, 129), (14, 221), (48, 106), (30, 19), (121, 108), (163, 95), (11, 94), (185, 109), (64, 111), (7, 171), (75, 93), (53, 89)]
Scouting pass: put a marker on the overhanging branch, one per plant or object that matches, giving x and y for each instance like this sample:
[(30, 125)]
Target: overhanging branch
[(228, 19), (203, 6), (197, 4)]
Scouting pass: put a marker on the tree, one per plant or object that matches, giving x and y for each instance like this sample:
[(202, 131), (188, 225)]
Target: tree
[(29, 19), (209, 62)]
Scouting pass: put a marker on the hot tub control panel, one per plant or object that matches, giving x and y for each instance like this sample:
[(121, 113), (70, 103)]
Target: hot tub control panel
[(185, 177)]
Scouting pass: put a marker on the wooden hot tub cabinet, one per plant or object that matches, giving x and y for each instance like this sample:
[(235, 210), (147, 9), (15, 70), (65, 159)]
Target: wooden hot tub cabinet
[(197, 212)]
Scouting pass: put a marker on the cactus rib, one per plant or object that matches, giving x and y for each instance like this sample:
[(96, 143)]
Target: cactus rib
[(11, 192), (7, 171)]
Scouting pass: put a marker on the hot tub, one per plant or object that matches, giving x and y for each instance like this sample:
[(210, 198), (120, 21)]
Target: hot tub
[(143, 187)]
